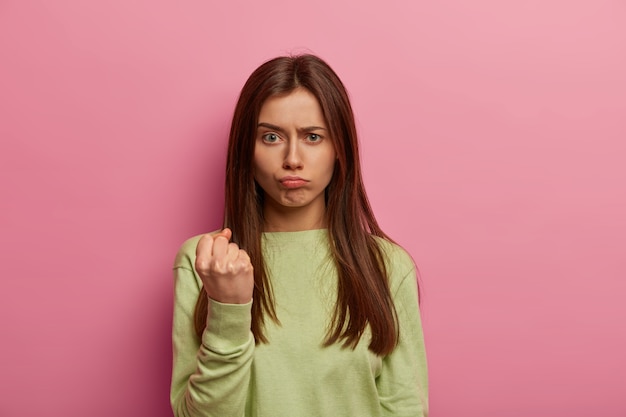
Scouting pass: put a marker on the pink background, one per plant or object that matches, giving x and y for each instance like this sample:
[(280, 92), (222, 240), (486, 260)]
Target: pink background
[(494, 145)]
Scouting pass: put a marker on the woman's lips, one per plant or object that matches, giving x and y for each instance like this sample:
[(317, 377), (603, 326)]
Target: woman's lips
[(292, 182)]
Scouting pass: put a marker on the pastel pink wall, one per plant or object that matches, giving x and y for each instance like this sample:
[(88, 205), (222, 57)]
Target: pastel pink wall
[(494, 141)]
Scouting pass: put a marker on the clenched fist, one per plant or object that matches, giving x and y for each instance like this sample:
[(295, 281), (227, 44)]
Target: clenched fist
[(225, 269)]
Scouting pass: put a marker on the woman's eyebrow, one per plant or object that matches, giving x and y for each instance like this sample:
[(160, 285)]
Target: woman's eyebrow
[(310, 128), (271, 126), (281, 130)]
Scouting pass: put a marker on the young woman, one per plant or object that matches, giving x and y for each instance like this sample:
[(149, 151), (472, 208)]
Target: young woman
[(301, 305)]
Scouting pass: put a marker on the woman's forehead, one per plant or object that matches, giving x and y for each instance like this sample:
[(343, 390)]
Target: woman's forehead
[(296, 108)]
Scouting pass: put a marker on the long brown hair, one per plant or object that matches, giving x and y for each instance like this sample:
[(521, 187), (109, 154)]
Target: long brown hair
[(363, 296)]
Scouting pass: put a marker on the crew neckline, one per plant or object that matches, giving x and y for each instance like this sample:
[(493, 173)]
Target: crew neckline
[(296, 236)]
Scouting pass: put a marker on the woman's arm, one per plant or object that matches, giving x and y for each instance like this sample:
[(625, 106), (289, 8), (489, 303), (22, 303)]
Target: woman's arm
[(210, 377), (403, 381)]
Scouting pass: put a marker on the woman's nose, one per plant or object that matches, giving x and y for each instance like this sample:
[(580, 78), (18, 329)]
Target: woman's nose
[(293, 159)]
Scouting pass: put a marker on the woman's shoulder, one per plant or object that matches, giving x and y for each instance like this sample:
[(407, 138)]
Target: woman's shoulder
[(398, 261), (393, 252)]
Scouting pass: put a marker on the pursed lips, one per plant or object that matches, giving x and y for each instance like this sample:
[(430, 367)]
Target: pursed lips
[(292, 181)]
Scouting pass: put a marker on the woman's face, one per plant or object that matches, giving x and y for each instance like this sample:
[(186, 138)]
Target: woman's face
[(294, 156)]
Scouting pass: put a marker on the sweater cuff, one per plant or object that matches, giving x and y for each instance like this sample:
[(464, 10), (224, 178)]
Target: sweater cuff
[(228, 325)]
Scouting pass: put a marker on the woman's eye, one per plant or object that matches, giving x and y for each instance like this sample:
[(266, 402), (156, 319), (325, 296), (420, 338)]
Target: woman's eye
[(270, 138), (314, 137)]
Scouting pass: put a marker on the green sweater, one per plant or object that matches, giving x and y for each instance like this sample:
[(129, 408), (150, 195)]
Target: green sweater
[(226, 375)]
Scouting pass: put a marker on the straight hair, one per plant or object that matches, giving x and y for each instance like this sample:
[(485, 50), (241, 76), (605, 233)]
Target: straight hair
[(363, 292)]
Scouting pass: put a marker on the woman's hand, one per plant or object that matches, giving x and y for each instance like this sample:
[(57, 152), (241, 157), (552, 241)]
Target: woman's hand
[(225, 269)]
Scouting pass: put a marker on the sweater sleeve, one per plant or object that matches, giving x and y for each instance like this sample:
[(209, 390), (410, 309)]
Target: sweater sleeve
[(403, 380), (210, 377)]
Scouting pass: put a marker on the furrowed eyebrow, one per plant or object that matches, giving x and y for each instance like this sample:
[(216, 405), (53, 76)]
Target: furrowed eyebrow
[(310, 128), (281, 130), (271, 126)]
